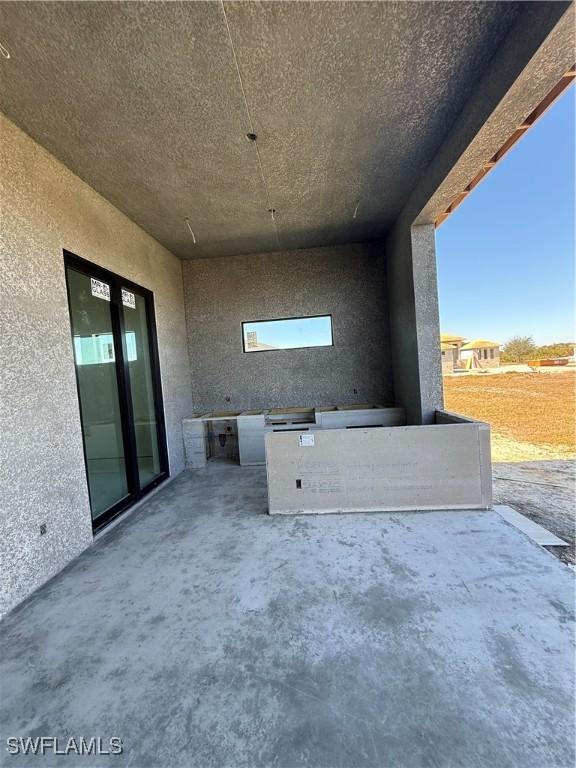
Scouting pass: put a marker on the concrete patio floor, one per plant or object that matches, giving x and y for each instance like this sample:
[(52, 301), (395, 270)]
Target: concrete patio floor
[(203, 632)]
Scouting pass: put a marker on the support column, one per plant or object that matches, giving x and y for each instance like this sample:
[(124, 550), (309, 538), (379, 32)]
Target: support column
[(414, 321)]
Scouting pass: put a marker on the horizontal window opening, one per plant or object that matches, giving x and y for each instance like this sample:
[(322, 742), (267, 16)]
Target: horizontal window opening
[(288, 333)]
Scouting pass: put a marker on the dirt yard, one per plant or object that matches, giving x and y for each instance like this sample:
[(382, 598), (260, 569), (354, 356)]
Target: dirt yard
[(532, 415)]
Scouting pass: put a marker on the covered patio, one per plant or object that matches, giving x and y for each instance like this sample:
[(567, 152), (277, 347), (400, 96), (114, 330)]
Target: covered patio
[(204, 632), (180, 181)]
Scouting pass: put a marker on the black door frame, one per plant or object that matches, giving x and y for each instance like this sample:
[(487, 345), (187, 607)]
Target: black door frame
[(117, 282)]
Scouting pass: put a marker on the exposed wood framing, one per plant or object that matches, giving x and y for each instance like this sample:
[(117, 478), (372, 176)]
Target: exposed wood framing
[(546, 102)]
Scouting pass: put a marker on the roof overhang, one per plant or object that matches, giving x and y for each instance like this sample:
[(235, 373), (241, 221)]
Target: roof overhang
[(361, 111)]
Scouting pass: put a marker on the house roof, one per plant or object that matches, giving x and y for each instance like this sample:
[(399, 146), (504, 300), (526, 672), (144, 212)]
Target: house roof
[(444, 345), (349, 103), (448, 338), (480, 344)]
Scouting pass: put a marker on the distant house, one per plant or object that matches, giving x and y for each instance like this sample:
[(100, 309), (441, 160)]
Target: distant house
[(448, 357), (480, 353), (251, 343), (450, 346), (459, 354)]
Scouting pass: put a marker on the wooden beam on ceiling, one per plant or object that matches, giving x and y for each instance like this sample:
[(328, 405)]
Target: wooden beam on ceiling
[(536, 113)]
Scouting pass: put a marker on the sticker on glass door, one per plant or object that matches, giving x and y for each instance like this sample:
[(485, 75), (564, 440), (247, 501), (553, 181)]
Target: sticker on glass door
[(128, 299), (99, 289)]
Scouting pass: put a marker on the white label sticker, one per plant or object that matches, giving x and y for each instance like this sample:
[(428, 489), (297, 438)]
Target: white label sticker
[(99, 289), (128, 299), (306, 441)]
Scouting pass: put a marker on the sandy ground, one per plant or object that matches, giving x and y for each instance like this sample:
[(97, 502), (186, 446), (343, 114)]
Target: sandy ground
[(535, 411), (507, 449)]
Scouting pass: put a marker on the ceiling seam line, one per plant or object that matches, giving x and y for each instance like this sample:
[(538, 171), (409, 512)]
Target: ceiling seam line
[(237, 67), (271, 209)]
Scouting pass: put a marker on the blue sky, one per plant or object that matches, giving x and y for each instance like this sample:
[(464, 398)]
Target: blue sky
[(506, 255)]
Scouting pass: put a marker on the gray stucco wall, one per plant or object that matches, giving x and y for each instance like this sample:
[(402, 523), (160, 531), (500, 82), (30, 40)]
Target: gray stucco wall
[(44, 209), (414, 321), (345, 281)]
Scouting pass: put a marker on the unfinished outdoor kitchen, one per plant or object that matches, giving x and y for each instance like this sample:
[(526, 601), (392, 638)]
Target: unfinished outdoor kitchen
[(340, 457), (350, 458)]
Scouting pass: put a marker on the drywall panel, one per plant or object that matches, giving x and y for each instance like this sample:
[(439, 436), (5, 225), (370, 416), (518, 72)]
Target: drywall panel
[(378, 469), (252, 427), (352, 418), (347, 282), (45, 208)]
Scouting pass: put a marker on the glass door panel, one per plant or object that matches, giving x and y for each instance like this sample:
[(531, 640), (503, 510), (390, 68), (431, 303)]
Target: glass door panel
[(95, 358), (144, 411), (116, 357)]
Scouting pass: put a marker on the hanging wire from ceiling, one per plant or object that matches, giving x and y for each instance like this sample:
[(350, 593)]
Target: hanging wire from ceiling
[(356, 210), (187, 220), (252, 134)]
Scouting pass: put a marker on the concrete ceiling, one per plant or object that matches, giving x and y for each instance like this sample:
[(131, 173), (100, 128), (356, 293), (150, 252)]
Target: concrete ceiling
[(350, 102)]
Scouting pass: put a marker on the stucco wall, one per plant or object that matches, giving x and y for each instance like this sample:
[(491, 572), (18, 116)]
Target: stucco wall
[(345, 281), (414, 323), (44, 209)]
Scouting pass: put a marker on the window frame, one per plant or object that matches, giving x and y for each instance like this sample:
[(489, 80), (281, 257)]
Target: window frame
[(121, 361)]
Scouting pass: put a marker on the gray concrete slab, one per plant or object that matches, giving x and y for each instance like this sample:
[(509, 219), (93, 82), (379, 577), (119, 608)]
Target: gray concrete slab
[(204, 632)]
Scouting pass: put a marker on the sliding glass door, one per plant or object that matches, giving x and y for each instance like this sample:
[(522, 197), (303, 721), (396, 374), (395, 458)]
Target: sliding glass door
[(140, 366), (118, 378), (95, 357)]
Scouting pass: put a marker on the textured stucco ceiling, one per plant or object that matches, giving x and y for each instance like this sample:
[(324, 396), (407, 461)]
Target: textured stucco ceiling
[(350, 101)]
